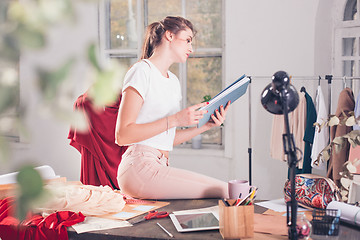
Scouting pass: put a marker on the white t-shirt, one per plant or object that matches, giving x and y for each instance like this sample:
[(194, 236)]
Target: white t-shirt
[(161, 97)]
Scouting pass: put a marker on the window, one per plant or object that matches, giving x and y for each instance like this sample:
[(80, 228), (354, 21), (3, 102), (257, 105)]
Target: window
[(350, 10), (347, 40), (122, 34)]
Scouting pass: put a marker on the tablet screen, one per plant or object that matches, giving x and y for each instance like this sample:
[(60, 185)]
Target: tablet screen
[(195, 222)]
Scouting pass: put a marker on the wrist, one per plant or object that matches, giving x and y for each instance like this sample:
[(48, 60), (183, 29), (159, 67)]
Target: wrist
[(172, 121), (205, 127)]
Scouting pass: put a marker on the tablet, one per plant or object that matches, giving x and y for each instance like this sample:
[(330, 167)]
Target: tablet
[(197, 221)]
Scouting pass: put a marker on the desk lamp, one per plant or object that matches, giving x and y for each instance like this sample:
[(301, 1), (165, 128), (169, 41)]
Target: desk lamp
[(280, 97)]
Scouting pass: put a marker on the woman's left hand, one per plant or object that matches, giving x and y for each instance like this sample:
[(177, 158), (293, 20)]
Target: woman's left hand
[(218, 117)]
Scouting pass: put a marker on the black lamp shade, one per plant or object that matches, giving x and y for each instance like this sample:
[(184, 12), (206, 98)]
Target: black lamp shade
[(271, 96)]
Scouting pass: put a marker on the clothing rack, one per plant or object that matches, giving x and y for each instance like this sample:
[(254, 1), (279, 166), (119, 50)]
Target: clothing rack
[(329, 79)]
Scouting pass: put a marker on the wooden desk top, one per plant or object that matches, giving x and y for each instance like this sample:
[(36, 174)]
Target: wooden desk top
[(150, 230)]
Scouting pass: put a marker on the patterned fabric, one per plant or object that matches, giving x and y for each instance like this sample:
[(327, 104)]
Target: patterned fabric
[(312, 191)]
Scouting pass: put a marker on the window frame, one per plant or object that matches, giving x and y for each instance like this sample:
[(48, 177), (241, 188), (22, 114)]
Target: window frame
[(346, 29), (141, 18)]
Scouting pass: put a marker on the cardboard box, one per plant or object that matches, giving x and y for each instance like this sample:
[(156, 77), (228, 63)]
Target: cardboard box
[(236, 221)]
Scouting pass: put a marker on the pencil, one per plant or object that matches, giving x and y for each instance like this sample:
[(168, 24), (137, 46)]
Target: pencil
[(165, 230)]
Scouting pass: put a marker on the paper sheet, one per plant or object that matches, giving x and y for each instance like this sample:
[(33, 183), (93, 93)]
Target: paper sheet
[(96, 224), (278, 205), (349, 213)]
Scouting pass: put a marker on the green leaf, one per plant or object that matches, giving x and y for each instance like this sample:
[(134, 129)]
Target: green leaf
[(31, 186), (93, 57), (8, 97), (49, 82), (207, 98), (31, 38), (30, 182)]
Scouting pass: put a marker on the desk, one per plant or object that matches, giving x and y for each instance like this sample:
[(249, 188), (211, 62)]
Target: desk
[(150, 230)]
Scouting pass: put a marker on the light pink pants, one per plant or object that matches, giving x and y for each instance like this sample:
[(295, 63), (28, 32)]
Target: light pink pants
[(144, 173)]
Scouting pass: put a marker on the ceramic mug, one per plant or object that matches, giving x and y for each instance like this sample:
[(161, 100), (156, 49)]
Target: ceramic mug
[(237, 187)]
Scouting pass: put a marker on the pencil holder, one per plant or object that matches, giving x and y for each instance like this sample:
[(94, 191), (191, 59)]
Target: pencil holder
[(236, 221), (326, 222)]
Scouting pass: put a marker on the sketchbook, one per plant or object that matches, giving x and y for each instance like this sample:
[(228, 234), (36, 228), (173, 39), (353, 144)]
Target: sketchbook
[(231, 93)]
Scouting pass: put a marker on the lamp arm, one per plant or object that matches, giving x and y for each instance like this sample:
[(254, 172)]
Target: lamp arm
[(290, 151)]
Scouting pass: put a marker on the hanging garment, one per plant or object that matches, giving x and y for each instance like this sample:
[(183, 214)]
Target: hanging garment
[(346, 104), (100, 155), (297, 128), (354, 157), (357, 112), (35, 227), (321, 139), (354, 153), (305, 165)]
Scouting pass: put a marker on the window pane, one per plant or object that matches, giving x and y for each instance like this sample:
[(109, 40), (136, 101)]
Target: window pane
[(348, 68), (204, 78), (206, 17), (159, 9), (350, 10), (122, 24), (349, 47), (125, 62)]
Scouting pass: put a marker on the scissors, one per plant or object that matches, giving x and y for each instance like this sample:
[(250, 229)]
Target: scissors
[(151, 215)]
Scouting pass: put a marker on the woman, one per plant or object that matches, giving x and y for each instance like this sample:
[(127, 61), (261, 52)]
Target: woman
[(149, 114)]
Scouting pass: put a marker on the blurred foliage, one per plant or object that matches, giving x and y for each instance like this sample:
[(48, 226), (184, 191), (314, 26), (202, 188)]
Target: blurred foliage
[(24, 26), (30, 189)]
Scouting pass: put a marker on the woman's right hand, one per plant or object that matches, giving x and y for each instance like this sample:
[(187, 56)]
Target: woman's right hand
[(190, 115)]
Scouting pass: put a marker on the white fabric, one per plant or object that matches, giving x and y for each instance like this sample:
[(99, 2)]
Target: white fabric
[(321, 139), (87, 199), (161, 97)]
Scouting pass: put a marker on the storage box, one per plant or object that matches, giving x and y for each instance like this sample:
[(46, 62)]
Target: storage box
[(236, 221), (326, 222)]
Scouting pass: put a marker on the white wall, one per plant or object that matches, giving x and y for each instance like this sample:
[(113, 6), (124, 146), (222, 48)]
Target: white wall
[(262, 37)]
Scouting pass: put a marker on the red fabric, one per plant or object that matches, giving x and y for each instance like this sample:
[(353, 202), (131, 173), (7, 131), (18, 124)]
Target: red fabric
[(35, 227), (100, 155)]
